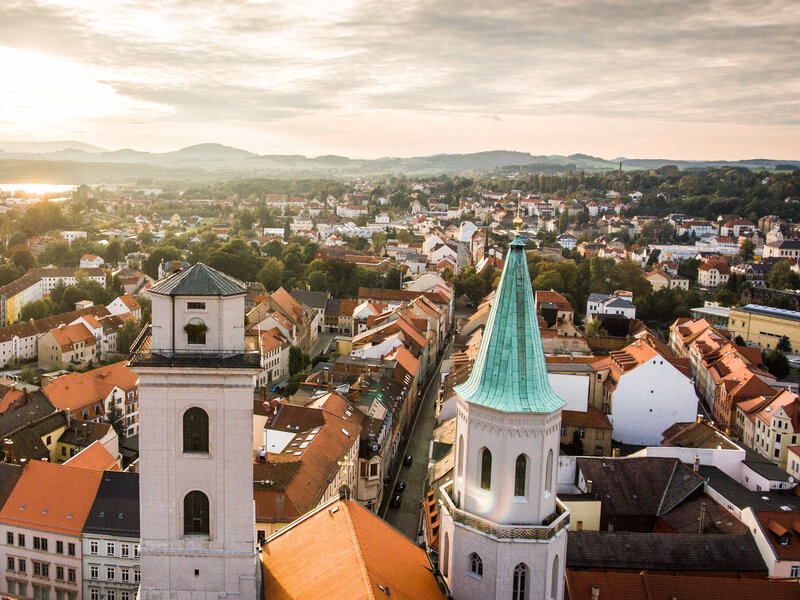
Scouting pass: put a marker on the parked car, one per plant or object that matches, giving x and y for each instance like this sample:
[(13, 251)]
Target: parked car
[(400, 487), (396, 501), (408, 460)]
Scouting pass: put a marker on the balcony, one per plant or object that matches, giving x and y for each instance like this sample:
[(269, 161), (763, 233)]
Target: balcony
[(142, 355), (556, 522)]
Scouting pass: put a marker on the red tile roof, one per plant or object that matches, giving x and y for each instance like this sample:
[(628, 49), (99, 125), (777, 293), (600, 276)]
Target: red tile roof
[(344, 552)]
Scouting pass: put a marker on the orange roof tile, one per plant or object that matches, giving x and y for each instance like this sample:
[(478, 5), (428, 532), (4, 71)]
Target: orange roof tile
[(94, 457), (51, 497), (77, 390), (67, 335), (350, 552)]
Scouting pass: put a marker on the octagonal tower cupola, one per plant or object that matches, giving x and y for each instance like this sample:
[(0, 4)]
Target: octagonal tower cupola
[(199, 310)]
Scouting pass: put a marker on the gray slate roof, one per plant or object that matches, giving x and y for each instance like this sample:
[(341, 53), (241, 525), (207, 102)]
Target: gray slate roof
[(199, 280), (663, 551), (116, 506), (310, 298)]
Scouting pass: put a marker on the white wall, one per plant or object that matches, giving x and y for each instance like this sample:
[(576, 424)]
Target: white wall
[(224, 317), (572, 389), (649, 399)]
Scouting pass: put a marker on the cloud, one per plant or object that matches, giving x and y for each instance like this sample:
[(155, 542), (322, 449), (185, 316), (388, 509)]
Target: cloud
[(686, 61)]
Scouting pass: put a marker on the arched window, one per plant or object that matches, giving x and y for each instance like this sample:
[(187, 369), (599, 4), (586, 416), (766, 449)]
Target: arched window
[(195, 332), (195, 514), (486, 469), (195, 431), (445, 554), (548, 474), (554, 580), (519, 589), (460, 455), (520, 475), (475, 565)]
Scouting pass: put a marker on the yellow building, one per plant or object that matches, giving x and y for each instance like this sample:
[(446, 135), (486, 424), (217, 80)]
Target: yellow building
[(764, 325)]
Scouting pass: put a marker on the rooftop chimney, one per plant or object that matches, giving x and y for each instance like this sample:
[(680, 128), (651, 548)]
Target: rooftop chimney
[(85, 431), (595, 592), (615, 452), (8, 446), (696, 466), (703, 508), (588, 486)]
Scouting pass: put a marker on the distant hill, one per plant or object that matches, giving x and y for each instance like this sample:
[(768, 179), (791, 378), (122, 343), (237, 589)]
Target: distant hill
[(75, 162), (38, 147)]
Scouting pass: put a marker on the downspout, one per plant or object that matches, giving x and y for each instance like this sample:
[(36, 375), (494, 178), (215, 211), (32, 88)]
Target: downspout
[(173, 323)]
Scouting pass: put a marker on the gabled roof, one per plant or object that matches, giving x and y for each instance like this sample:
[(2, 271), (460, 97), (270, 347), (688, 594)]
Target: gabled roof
[(342, 551), (51, 497), (199, 280), (663, 551), (509, 373), (94, 457)]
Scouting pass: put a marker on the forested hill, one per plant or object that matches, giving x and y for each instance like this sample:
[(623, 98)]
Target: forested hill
[(72, 162)]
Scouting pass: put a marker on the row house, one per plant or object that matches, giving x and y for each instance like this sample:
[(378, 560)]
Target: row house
[(696, 228), (302, 456), (645, 389), (19, 342), (43, 519), (280, 309), (665, 280), (38, 283), (733, 381), (713, 273), (770, 426), (91, 394), (736, 227)]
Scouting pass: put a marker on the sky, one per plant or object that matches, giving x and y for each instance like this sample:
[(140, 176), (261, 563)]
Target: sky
[(683, 79)]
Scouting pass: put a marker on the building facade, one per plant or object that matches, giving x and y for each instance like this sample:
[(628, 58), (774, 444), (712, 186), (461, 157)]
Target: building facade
[(196, 411)]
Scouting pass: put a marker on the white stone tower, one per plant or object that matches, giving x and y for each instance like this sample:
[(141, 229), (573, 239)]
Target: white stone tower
[(503, 532), (195, 447)]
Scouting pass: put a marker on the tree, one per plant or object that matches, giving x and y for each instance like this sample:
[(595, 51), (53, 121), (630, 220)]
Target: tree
[(274, 249), (784, 345), (38, 309), (739, 340), (271, 274), (127, 335), (777, 363), (115, 418), (236, 258), (782, 277), (688, 268), (150, 264), (593, 327), (27, 375), (9, 272), (113, 253), (747, 250), (404, 236), (23, 259), (726, 297), (298, 360)]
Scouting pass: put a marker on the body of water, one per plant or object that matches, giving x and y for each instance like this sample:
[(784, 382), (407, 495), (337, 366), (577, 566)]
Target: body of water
[(36, 188)]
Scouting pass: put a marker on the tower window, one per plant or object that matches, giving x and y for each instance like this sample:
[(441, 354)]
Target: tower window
[(475, 565), (520, 475), (519, 589), (548, 474), (460, 455), (195, 431), (195, 332), (195, 514), (554, 580), (445, 554), (486, 469)]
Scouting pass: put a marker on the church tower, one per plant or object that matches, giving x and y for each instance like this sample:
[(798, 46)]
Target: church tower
[(196, 414), (503, 532)]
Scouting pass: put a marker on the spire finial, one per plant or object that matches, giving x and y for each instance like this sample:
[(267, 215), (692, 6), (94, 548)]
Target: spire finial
[(518, 221)]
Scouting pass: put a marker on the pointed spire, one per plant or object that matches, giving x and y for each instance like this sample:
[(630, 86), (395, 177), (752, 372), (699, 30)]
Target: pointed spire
[(509, 373)]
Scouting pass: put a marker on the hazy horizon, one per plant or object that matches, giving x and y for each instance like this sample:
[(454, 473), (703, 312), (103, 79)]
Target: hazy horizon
[(714, 80)]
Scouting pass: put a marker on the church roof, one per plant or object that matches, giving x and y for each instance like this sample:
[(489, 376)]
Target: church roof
[(199, 280), (509, 373)]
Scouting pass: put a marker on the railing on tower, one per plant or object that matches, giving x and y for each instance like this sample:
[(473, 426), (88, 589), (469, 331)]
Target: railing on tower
[(142, 354)]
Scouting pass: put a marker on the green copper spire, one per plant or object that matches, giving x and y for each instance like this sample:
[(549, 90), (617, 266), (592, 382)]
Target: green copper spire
[(509, 373)]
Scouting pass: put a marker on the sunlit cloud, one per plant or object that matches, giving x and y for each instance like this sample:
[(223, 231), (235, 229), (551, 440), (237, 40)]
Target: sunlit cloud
[(275, 76)]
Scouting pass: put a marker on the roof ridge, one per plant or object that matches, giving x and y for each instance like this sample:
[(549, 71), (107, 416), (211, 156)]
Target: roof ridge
[(359, 555)]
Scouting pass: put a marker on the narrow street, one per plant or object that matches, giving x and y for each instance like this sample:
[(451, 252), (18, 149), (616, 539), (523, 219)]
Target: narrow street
[(406, 519)]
